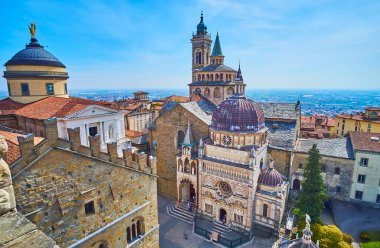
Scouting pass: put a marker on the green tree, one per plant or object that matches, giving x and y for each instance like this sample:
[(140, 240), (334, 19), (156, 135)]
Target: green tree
[(313, 193)]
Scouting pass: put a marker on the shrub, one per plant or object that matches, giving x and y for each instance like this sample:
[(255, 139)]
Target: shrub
[(364, 236), (347, 238)]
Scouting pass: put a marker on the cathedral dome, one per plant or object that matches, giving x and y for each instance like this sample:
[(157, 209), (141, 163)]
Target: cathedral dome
[(34, 54), (270, 177), (239, 114)]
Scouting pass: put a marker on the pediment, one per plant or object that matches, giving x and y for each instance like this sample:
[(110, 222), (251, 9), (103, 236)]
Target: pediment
[(91, 111)]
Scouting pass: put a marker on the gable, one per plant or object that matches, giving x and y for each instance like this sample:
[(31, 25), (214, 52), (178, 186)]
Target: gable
[(91, 111)]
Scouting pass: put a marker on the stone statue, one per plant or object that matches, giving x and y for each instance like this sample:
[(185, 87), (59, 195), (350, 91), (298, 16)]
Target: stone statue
[(32, 29), (7, 197)]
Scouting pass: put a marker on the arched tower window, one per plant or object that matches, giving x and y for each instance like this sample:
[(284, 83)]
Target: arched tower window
[(265, 210), (199, 57), (337, 171)]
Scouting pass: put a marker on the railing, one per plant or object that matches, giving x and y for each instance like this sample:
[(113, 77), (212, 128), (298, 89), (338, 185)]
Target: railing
[(223, 240)]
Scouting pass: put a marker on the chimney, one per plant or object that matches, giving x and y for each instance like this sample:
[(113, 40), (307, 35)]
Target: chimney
[(94, 145), (26, 145)]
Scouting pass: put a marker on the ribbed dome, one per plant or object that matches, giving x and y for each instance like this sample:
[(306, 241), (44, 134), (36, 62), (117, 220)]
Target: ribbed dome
[(270, 177), (34, 54), (239, 114)]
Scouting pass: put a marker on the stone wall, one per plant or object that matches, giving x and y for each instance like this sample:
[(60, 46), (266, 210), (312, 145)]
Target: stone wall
[(55, 190), (331, 178), (166, 134), (282, 160), (15, 229)]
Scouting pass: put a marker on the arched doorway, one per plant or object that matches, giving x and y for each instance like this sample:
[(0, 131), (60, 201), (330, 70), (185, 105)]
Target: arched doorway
[(296, 184), (222, 215), (187, 191)]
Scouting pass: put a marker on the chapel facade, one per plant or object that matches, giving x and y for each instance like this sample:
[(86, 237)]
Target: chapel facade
[(228, 175)]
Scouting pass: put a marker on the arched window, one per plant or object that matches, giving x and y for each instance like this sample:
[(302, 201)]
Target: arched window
[(180, 165), (261, 163), (212, 77), (337, 171), (198, 90), (138, 223), (187, 165), (129, 234), (199, 77), (180, 138), (230, 91), (323, 168), (216, 92), (208, 77), (207, 92), (133, 231), (217, 76), (203, 77), (221, 76), (193, 168), (199, 57), (265, 210)]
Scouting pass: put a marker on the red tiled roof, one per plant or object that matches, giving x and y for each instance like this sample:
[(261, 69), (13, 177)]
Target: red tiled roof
[(56, 107), (175, 98), (363, 141), (372, 109), (140, 92), (8, 106), (13, 146)]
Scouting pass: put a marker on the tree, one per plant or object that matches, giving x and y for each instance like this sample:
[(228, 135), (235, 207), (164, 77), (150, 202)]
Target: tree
[(329, 236), (313, 193)]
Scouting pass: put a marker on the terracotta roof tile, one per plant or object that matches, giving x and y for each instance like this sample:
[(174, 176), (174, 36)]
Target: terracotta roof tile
[(56, 107), (8, 106), (10, 136), (364, 141)]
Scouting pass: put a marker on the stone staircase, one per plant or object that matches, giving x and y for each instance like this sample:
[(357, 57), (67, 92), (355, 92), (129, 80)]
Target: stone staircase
[(223, 230), (181, 212)]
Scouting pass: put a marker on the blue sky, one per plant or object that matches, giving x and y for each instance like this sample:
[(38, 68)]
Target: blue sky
[(146, 44)]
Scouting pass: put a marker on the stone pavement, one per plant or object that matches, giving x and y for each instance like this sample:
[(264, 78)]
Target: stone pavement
[(177, 233), (354, 218)]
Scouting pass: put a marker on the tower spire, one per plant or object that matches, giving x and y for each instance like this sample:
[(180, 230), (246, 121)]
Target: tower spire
[(217, 50), (239, 76)]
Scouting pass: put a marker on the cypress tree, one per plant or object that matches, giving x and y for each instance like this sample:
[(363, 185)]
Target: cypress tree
[(313, 193)]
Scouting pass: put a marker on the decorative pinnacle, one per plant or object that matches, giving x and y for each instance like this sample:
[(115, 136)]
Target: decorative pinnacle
[(32, 29)]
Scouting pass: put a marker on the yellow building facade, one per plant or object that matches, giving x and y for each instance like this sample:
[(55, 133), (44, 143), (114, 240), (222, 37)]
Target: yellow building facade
[(369, 121)]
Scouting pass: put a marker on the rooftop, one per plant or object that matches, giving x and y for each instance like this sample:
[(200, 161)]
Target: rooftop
[(8, 106), (217, 68), (339, 147), (364, 141), (10, 136), (56, 107), (210, 83), (281, 135), (279, 110)]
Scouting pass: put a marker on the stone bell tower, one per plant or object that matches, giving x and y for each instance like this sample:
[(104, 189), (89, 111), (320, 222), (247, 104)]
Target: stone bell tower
[(201, 46)]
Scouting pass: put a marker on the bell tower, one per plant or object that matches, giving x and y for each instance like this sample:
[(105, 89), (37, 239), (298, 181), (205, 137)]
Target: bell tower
[(201, 46)]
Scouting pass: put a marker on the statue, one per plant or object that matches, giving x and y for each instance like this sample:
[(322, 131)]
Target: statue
[(32, 30)]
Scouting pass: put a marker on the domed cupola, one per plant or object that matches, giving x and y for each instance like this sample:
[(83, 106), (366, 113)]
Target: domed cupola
[(33, 73), (238, 114), (34, 54), (201, 27), (270, 177)]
